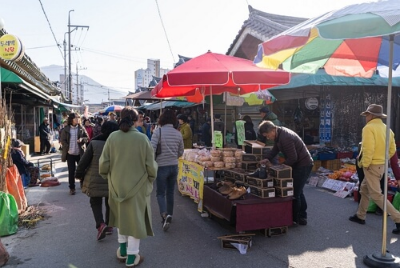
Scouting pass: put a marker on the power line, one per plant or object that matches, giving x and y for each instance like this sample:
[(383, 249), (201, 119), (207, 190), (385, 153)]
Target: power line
[(166, 36), (55, 39)]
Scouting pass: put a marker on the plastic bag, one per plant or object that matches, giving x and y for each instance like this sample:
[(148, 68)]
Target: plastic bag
[(372, 206), (8, 214), (396, 200)]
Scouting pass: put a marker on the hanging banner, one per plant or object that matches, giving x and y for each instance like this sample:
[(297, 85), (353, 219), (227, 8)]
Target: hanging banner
[(11, 47), (240, 132), (191, 181), (218, 139)]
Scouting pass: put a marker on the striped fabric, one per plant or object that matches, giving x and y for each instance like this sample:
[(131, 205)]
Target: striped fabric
[(171, 145)]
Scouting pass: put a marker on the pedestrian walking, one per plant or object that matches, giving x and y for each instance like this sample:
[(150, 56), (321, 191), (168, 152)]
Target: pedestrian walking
[(88, 127), (297, 156), (94, 185), (171, 149), (73, 140), (44, 135), (373, 146), (130, 175)]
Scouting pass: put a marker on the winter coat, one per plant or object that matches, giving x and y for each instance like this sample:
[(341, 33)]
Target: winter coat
[(20, 161), (206, 134), (88, 169), (128, 163), (293, 148), (186, 132), (44, 131), (89, 131), (65, 136)]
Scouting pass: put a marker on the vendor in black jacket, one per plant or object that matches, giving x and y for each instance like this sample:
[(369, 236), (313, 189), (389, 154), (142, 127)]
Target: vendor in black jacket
[(44, 132), (297, 156)]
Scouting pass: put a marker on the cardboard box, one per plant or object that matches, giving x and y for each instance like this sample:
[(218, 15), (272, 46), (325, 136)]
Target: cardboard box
[(283, 182), (250, 157), (280, 171), (249, 166), (283, 192), (262, 192), (256, 147), (331, 164), (261, 183), (275, 231), (239, 176), (317, 165)]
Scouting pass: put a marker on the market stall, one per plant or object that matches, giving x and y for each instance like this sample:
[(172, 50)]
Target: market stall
[(252, 203)]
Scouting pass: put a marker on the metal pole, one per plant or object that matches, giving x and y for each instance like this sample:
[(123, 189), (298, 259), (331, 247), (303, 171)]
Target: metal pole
[(77, 85), (65, 67), (69, 56), (212, 118)]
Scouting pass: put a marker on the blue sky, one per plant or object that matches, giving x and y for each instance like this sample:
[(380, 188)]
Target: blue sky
[(123, 34)]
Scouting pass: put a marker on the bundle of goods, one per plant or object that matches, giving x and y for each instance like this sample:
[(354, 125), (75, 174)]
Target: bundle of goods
[(230, 189), (49, 182), (217, 158)]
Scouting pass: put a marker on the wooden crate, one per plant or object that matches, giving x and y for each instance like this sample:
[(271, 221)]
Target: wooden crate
[(261, 183), (280, 171), (244, 239), (284, 192), (286, 182), (262, 192), (275, 231)]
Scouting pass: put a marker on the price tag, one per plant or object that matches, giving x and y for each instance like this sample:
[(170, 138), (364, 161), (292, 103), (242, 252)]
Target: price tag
[(218, 139), (241, 136), (313, 181)]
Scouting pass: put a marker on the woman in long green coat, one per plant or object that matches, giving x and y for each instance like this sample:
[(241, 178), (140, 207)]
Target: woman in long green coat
[(128, 163)]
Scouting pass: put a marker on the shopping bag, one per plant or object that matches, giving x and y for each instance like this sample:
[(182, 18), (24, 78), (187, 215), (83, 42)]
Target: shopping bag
[(396, 200), (8, 214), (372, 206)]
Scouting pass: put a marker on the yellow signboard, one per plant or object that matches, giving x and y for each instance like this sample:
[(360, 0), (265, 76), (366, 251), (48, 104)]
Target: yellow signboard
[(191, 181), (10, 47)]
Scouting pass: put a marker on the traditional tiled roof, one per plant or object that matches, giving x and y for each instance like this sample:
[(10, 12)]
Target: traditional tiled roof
[(182, 59), (154, 81), (265, 25)]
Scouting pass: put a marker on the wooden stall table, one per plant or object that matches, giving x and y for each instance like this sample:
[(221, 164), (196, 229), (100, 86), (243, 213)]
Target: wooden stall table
[(251, 213)]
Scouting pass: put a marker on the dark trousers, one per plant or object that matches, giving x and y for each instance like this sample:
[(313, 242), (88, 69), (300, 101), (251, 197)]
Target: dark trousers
[(44, 146), (97, 207), (72, 161), (300, 177)]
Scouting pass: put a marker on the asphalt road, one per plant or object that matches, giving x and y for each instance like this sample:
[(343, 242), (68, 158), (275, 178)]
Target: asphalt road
[(67, 237)]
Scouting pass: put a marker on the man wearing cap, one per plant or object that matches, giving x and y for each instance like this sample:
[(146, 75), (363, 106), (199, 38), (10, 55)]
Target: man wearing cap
[(112, 117), (44, 133), (373, 147), (266, 114)]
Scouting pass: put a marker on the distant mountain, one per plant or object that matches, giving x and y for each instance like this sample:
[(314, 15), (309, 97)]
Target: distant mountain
[(95, 92)]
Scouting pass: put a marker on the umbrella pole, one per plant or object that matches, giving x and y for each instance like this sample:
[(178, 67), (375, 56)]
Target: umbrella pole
[(385, 259), (225, 121), (212, 118)]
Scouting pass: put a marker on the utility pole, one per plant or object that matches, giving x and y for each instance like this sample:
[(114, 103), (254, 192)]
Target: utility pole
[(65, 67), (69, 50), (77, 84)]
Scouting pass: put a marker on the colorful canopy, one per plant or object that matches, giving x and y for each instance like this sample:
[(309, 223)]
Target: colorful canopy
[(353, 41)]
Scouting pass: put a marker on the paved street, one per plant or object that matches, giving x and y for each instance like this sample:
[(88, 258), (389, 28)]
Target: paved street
[(67, 237)]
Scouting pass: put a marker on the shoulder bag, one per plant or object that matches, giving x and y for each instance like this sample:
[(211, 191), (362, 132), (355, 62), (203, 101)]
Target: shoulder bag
[(158, 149)]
